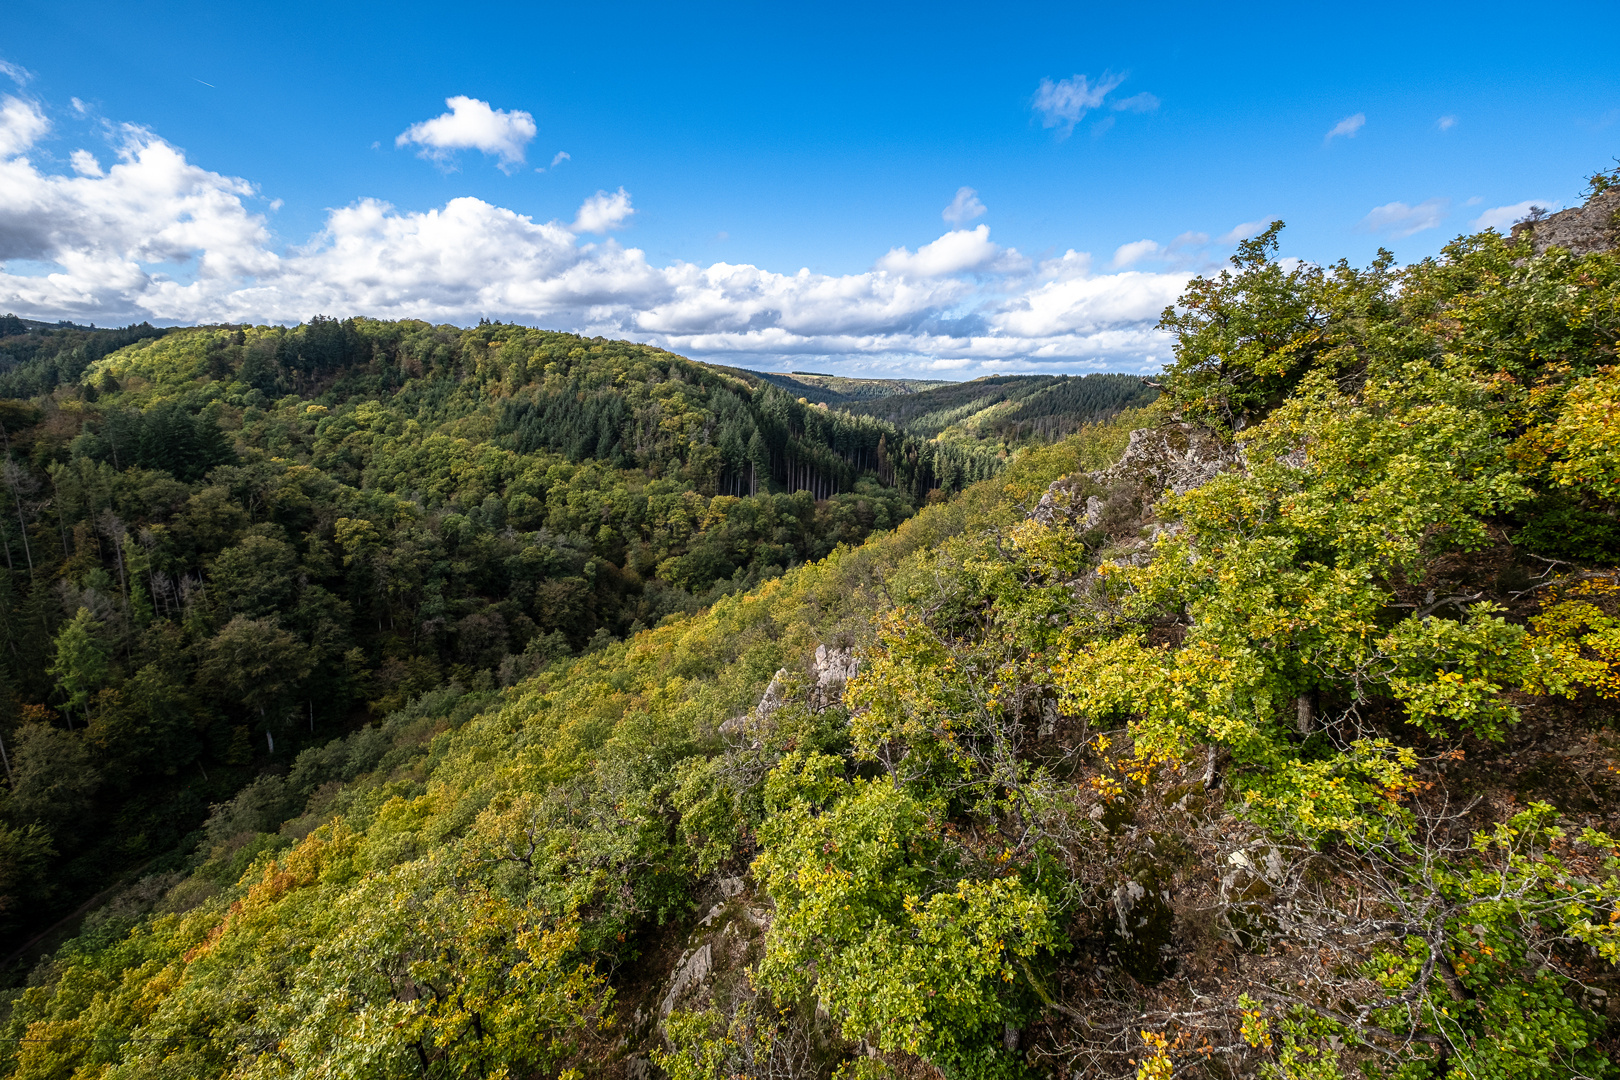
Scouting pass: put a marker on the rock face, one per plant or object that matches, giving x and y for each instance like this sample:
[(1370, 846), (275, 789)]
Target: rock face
[(832, 670), (1175, 458), (769, 703), (1581, 229), (692, 969)]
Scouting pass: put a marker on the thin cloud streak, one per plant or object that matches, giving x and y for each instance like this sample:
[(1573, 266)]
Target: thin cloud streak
[(1348, 127), (1064, 104), (1399, 220)]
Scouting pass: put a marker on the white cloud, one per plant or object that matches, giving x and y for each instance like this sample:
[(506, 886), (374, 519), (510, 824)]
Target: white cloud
[(1136, 103), (16, 73), (21, 125), (1244, 231), (472, 125), (1189, 240), (1501, 218), (1134, 252), (1346, 127), (603, 212), (1110, 304), (957, 252), (964, 208), (1063, 104), (85, 163), (105, 232), (1398, 219), (559, 157), (1071, 264), (1446, 123), (154, 236)]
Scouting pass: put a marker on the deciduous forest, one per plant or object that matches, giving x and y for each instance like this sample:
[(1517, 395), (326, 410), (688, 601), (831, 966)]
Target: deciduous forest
[(411, 701)]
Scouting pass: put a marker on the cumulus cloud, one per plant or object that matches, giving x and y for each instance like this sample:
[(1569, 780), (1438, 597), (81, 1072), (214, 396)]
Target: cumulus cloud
[(1113, 306), (1398, 219), (22, 123), (472, 125), (603, 212), (1502, 218), (964, 208), (1064, 104), (958, 251), (1071, 264), (1346, 127), (85, 163), (1134, 252), (143, 233), (559, 157)]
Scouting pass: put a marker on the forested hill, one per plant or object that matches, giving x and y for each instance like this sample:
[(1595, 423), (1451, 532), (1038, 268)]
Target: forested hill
[(221, 545), (1009, 409), (834, 390)]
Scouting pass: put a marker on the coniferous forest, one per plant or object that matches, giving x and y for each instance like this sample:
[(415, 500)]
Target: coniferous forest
[(392, 700)]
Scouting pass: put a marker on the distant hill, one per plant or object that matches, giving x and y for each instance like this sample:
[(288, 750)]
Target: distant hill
[(1009, 408), (834, 389)]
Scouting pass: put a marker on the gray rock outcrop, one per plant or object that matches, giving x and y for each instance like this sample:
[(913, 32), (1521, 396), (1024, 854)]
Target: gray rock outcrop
[(832, 670), (1174, 458), (1580, 229)]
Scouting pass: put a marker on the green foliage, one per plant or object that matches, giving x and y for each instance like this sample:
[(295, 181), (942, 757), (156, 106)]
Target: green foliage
[(402, 889), (1010, 408), (81, 659), (1219, 764), (270, 530), (903, 955)]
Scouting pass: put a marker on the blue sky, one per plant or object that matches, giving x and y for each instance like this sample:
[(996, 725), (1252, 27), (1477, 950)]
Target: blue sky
[(263, 177)]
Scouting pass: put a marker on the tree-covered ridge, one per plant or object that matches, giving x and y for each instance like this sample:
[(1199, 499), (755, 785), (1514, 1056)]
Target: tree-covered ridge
[(36, 358), (222, 544), (1010, 409), (833, 390)]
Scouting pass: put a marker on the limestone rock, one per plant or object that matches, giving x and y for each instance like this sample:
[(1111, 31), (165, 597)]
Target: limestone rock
[(832, 670), (769, 703), (693, 968), (1580, 229), (1175, 458)]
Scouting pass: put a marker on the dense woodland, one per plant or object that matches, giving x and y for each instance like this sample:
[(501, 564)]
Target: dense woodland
[(1265, 731), (1010, 409), (222, 545)]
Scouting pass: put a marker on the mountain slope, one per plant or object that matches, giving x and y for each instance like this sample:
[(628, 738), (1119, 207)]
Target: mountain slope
[(220, 546), (1010, 409), (1267, 731), (833, 390)]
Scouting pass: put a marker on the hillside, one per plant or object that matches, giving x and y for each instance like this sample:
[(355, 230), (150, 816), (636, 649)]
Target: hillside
[(1009, 409), (1268, 730), (833, 390), (226, 544)]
